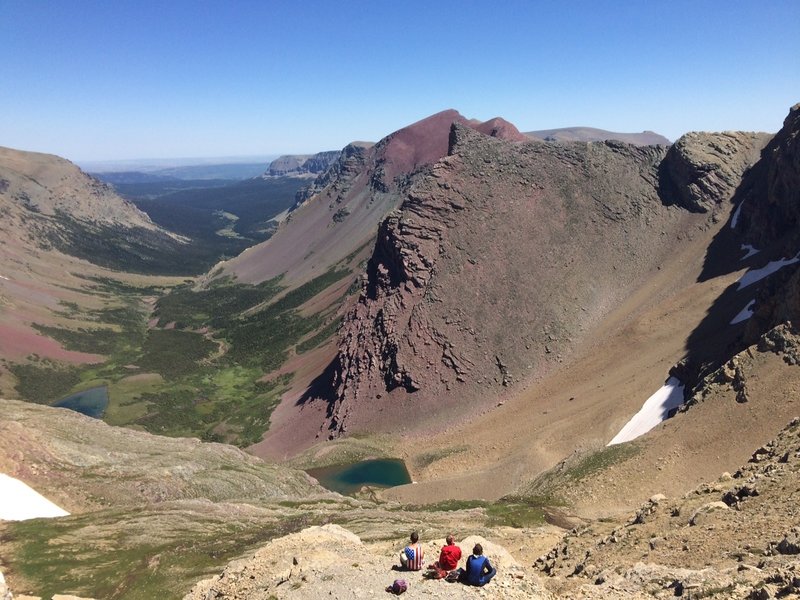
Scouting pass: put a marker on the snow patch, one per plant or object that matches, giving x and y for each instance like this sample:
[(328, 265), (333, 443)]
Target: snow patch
[(655, 410), (735, 217), (750, 251), (19, 502), (4, 277), (745, 313), (755, 275), (281, 217)]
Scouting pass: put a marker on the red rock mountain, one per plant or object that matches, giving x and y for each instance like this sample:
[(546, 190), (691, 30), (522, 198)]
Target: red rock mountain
[(342, 210), (501, 261)]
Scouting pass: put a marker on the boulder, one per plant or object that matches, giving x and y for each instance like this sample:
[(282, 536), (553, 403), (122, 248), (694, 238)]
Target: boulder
[(701, 514), (702, 170)]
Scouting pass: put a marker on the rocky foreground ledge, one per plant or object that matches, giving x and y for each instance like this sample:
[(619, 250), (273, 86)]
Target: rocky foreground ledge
[(737, 537), (330, 562)]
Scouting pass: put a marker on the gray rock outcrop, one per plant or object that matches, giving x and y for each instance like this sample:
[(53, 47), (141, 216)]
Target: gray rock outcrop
[(702, 170), (302, 165), (339, 173)]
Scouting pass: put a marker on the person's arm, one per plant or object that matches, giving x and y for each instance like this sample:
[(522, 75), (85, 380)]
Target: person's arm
[(489, 569)]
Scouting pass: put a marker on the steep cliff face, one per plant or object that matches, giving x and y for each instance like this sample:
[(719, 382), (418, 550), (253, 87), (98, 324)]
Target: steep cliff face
[(334, 226), (302, 165), (770, 194), (492, 269), (497, 264), (340, 173), (768, 204)]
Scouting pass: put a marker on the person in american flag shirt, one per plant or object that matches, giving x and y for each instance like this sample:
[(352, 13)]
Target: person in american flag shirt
[(412, 556)]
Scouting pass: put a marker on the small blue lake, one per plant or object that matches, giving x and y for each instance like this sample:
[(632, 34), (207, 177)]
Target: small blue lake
[(348, 479), (91, 402)]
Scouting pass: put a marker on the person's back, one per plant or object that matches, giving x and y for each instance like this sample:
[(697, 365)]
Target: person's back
[(412, 555), (450, 555), (479, 570)]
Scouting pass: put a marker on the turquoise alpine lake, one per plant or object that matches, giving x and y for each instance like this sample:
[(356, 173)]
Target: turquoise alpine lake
[(348, 479), (91, 402)]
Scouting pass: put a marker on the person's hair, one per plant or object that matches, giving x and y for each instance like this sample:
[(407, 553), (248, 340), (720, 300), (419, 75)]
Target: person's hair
[(450, 539), (477, 550), (414, 537)]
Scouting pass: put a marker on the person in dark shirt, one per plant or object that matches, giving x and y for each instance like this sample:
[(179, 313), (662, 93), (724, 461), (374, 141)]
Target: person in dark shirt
[(479, 570)]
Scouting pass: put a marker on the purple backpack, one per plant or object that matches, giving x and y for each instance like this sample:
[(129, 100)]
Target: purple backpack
[(398, 587)]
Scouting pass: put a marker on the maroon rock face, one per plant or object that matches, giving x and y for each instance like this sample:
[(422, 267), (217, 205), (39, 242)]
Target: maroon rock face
[(503, 254), (426, 141), (467, 291)]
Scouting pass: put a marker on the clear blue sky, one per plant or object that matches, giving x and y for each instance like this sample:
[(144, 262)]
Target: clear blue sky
[(121, 79)]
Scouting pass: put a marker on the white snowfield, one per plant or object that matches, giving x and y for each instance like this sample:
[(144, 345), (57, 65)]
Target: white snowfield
[(755, 275), (750, 251), (745, 313), (655, 409), (735, 217), (19, 502)]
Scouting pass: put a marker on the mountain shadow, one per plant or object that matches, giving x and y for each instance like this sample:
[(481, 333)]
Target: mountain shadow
[(765, 219)]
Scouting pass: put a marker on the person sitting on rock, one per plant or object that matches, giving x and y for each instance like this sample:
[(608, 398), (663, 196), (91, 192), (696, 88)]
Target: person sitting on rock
[(411, 556), (479, 570), (448, 558)]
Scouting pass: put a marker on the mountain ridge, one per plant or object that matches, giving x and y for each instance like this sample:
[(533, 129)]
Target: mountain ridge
[(368, 179), (592, 134), (301, 165), (64, 234)]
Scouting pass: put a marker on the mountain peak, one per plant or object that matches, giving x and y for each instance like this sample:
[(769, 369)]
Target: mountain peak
[(500, 128)]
